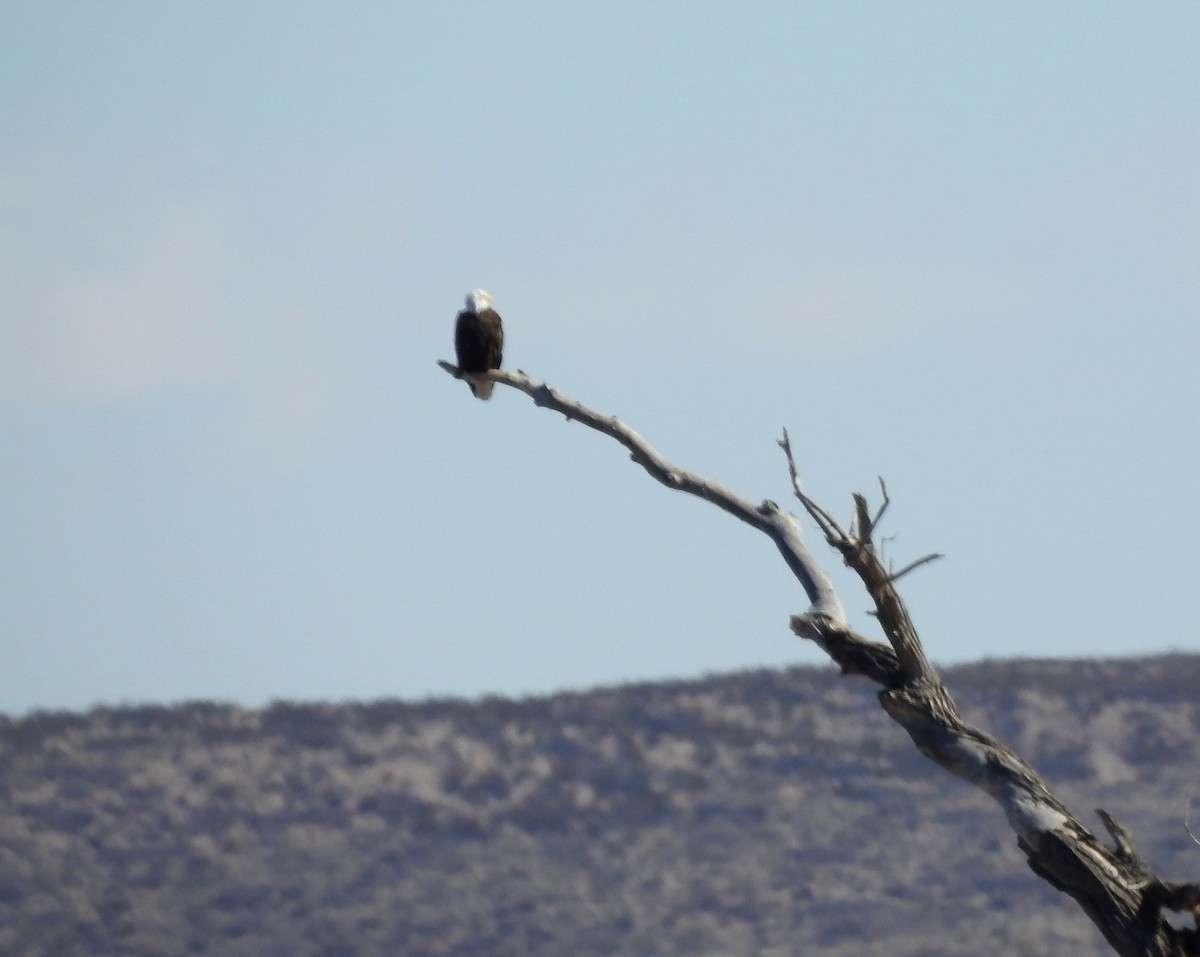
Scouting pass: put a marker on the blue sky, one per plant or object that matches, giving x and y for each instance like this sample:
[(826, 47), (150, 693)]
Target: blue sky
[(955, 245)]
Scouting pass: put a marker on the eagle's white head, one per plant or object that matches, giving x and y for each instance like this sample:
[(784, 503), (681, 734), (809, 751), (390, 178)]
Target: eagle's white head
[(478, 301)]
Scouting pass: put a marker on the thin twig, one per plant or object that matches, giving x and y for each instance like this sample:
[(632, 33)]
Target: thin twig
[(1187, 826), (827, 523), (931, 557), (786, 444), (882, 507)]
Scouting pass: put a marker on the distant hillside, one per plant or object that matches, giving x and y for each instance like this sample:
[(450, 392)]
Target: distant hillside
[(765, 813)]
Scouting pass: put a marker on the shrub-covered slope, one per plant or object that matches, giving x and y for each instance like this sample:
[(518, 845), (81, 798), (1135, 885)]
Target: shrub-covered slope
[(770, 813)]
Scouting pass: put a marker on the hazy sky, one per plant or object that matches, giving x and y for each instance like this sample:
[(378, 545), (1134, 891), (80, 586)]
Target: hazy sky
[(955, 245)]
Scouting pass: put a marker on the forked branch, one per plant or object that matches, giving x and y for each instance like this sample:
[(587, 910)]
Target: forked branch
[(766, 516), (1114, 886)]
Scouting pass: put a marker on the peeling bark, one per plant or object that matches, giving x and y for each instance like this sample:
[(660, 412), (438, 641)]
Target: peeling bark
[(1114, 886)]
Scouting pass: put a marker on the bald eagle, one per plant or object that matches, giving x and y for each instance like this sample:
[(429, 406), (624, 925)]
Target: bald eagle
[(478, 341)]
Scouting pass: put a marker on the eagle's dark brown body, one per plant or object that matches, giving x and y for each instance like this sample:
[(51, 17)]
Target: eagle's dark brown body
[(479, 342)]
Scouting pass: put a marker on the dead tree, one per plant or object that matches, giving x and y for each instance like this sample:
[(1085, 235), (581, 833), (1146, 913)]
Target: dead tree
[(1114, 885)]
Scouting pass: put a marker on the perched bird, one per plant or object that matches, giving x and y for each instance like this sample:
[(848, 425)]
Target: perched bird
[(478, 341)]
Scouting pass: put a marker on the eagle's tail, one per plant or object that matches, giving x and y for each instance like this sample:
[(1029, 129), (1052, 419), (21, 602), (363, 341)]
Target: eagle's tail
[(481, 387)]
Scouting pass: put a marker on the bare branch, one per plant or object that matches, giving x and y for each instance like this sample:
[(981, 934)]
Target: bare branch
[(767, 517), (1114, 887), (850, 651), (826, 522), (1187, 826), (925, 560), (883, 505), (785, 443), (1122, 841)]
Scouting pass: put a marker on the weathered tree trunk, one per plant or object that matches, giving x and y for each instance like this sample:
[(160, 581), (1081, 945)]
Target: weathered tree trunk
[(1114, 886)]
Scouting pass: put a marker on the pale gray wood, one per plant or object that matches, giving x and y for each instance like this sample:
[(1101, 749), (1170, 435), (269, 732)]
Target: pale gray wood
[(1114, 886)]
